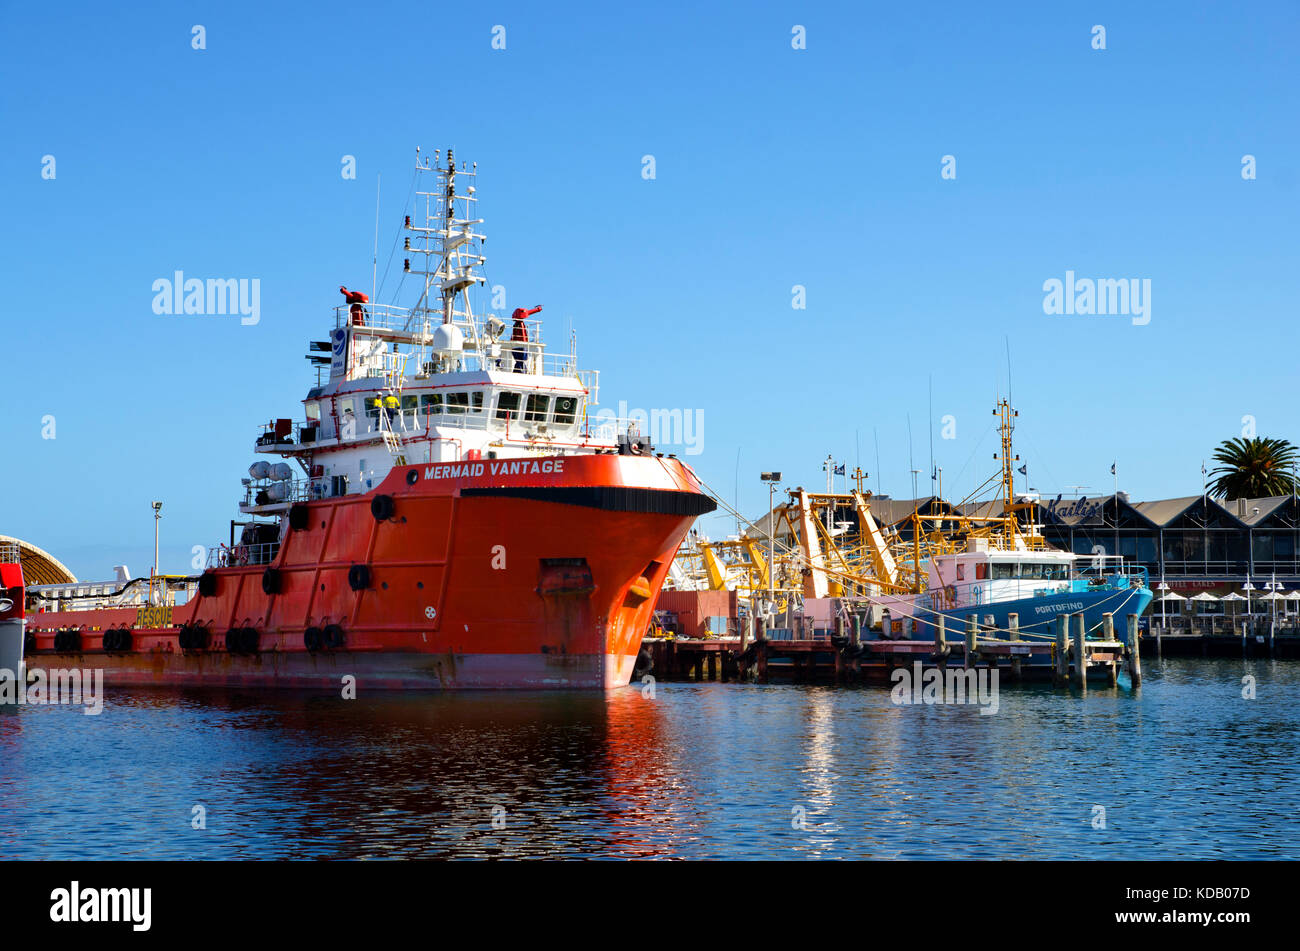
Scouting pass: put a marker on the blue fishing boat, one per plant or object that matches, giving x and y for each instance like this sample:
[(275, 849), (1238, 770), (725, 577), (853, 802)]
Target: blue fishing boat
[(994, 566)]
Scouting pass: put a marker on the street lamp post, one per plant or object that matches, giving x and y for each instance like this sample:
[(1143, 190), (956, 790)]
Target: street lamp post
[(1273, 588), (1248, 588), (157, 518)]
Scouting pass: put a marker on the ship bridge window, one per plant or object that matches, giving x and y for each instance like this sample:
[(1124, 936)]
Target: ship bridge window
[(459, 404), (508, 405), (372, 407), (1001, 571), (566, 409), (431, 404), (537, 407), (410, 404), (313, 412)]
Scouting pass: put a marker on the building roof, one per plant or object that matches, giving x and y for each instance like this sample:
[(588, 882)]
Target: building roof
[(1254, 511), (39, 566), (1098, 510), (1164, 511)]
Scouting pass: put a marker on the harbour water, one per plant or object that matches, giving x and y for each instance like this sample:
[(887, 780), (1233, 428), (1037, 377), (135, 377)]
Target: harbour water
[(1187, 768)]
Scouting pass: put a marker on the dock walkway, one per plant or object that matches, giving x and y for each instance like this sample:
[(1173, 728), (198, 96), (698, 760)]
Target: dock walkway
[(847, 658)]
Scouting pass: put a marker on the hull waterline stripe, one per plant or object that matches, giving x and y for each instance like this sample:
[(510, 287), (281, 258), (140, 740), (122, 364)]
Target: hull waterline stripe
[(608, 497)]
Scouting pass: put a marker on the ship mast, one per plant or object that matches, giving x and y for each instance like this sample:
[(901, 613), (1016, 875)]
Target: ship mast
[(1006, 426), (451, 247)]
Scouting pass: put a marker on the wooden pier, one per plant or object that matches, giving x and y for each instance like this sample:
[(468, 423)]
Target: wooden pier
[(1242, 643), (844, 657)]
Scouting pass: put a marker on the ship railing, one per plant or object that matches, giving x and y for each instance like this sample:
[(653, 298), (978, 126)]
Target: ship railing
[(505, 337), (514, 357), (590, 380), (607, 427), (299, 434), (1111, 571), (394, 319), (379, 317), (10, 553), (307, 433), (238, 556), (259, 492)]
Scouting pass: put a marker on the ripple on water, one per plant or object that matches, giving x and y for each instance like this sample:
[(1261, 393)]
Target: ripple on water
[(1187, 769)]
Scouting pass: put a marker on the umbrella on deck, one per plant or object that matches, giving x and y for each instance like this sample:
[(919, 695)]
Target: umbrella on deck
[(1232, 596), (1205, 598), (1171, 596)]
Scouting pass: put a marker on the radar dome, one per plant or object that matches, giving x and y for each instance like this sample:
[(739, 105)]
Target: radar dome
[(447, 337)]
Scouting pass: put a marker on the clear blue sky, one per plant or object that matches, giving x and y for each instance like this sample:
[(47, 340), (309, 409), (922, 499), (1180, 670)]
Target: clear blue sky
[(775, 167)]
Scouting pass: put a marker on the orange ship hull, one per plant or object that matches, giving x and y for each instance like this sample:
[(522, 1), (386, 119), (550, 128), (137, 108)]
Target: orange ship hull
[(487, 573)]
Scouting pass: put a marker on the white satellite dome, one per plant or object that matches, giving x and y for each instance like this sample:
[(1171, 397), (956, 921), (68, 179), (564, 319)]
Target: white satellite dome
[(448, 338)]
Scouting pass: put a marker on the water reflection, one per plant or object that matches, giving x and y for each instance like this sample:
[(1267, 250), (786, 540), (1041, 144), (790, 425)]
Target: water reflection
[(1186, 768)]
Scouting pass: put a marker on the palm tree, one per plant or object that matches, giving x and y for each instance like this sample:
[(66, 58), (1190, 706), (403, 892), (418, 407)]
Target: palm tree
[(1253, 468)]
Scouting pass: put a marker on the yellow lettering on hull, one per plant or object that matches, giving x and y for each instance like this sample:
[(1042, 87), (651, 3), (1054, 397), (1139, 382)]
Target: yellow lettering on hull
[(159, 615)]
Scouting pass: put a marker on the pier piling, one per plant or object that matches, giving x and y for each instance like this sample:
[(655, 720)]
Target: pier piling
[(1134, 652), (1061, 674), (1108, 634), (1013, 625), (1080, 652), (972, 644)]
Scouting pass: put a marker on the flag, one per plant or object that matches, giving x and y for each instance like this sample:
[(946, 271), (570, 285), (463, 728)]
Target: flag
[(839, 470), (1112, 468), (1024, 470)]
